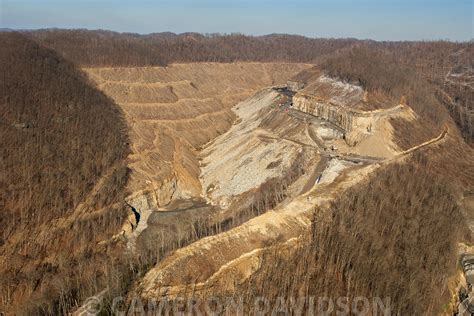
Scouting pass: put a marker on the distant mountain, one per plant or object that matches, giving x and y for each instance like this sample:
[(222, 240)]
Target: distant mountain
[(106, 48)]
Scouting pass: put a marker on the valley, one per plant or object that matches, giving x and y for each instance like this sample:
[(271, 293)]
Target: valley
[(249, 166), (169, 147), (189, 166)]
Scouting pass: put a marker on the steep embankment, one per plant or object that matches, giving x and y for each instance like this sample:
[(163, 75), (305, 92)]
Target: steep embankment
[(388, 83), (365, 242), (62, 177)]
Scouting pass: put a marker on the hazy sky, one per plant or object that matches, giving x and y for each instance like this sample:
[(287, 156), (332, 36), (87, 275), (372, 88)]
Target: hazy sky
[(374, 19)]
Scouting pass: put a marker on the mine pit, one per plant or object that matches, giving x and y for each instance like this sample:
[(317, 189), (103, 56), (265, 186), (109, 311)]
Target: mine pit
[(249, 163), (176, 169)]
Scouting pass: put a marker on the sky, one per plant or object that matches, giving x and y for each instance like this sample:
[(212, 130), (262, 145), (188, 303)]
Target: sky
[(363, 19)]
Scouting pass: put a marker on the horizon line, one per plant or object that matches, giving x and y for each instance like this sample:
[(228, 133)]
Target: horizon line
[(209, 34)]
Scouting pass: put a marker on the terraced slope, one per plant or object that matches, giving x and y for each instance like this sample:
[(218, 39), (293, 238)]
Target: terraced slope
[(173, 111)]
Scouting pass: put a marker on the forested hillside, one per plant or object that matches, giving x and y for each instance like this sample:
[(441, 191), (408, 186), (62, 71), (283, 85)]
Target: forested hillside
[(383, 239), (100, 48), (449, 67), (60, 137)]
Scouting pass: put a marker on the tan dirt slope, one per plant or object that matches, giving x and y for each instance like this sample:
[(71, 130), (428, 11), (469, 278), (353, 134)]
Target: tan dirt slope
[(173, 111)]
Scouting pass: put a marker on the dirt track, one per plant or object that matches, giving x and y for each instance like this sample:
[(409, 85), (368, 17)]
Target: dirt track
[(437, 139), (318, 170)]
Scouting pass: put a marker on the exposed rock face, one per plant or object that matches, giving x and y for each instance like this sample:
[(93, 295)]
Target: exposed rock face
[(331, 100), (173, 113), (339, 116), (335, 92)]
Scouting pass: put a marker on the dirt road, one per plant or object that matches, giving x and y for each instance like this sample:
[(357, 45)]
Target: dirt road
[(318, 170)]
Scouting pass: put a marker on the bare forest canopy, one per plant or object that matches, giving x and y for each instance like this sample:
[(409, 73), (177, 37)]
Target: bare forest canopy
[(60, 136), (379, 71), (105, 48), (447, 66), (90, 48)]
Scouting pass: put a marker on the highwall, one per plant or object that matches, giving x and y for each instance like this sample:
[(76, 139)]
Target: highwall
[(340, 116)]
